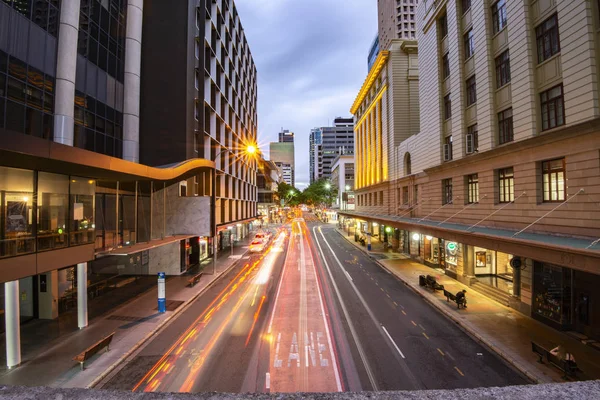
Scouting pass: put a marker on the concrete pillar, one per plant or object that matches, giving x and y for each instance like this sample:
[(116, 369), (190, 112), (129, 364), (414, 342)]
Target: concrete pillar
[(133, 61), (48, 295), (82, 310), (66, 66), (369, 233), (13, 324)]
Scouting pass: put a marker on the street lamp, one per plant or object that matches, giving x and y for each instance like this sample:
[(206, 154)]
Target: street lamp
[(249, 149), (328, 186), (347, 188)]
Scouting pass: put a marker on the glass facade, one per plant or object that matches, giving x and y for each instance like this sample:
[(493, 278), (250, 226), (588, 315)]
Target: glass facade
[(552, 293), (64, 210)]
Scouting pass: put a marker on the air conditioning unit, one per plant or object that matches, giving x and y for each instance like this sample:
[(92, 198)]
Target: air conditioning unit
[(447, 153), (470, 144)]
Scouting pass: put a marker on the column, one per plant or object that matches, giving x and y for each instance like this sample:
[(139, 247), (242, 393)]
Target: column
[(82, 310), (66, 67), (133, 61), (13, 325)]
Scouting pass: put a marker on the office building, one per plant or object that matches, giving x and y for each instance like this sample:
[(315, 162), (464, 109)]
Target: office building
[(396, 20), (342, 180), (282, 154), (315, 139), (330, 142), (373, 52), (499, 187), (267, 179)]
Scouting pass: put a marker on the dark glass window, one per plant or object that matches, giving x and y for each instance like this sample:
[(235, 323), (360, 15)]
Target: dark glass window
[(502, 69), (43, 13), (472, 189), (471, 91), (553, 179), (499, 15), (445, 66), (443, 23), (448, 148), (506, 185), (505, 126), (548, 43), (469, 44), (446, 191), (553, 107), (447, 107), (466, 5)]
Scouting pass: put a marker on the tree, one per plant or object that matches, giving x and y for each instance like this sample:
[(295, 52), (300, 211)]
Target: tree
[(288, 193), (320, 192)]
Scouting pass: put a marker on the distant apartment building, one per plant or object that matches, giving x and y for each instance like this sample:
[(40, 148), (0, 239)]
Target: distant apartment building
[(396, 20), (282, 154), (499, 187), (327, 143)]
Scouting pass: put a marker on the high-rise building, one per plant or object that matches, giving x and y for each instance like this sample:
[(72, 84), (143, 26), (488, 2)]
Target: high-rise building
[(327, 143), (282, 154), (498, 187), (396, 20), (206, 109), (373, 52)]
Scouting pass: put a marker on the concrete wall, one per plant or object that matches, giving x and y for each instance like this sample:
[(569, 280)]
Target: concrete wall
[(184, 215), (165, 259)]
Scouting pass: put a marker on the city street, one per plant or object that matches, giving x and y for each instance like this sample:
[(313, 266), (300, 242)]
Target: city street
[(312, 313)]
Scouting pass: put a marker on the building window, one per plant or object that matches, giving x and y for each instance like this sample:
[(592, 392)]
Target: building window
[(197, 79), (466, 5), (471, 91), (506, 185), (547, 38), (505, 126), (553, 107), (472, 189), (405, 199), (381, 198), (447, 107), (472, 139), (407, 164), (502, 69), (446, 191), (553, 178), (499, 15), (469, 45), (448, 148), (443, 23), (445, 67)]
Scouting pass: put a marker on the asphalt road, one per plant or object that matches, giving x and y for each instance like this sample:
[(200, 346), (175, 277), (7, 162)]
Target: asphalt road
[(312, 313), (397, 340)]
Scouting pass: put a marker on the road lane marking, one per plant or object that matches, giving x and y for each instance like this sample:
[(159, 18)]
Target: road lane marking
[(450, 355), (441, 352), (424, 334), (421, 326), (392, 340), (382, 290), (414, 323), (348, 275), (459, 371), (359, 347), (388, 295), (268, 381), (396, 304), (403, 312), (278, 290)]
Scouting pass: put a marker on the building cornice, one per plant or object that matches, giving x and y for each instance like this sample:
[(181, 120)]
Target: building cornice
[(375, 70)]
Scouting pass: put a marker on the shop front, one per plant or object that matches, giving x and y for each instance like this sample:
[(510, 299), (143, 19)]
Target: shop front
[(493, 268), (449, 256), (431, 251)]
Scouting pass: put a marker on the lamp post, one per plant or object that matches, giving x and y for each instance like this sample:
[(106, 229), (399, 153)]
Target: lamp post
[(250, 150)]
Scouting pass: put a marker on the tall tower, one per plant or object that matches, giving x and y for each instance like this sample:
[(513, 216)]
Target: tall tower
[(396, 19)]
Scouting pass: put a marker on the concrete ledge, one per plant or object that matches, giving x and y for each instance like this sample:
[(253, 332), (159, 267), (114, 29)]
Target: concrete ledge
[(575, 390)]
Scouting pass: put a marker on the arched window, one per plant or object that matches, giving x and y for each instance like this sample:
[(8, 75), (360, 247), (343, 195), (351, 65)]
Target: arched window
[(407, 167)]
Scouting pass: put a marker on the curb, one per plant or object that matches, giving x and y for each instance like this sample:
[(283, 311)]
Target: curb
[(457, 321), (143, 341)]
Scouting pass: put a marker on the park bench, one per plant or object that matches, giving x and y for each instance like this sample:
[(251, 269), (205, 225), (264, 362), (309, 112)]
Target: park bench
[(195, 279), (569, 368), (450, 296), (430, 282), (88, 353)]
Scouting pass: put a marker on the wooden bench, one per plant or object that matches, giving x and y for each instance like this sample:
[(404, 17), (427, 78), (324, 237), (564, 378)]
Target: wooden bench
[(540, 351), (450, 296), (432, 283), (195, 279), (88, 353), (569, 368)]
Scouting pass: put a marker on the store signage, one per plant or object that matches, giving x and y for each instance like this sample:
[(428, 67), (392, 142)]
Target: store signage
[(162, 301), (451, 246)]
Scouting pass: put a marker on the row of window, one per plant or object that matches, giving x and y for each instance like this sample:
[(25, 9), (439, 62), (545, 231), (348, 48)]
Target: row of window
[(554, 188), (370, 199)]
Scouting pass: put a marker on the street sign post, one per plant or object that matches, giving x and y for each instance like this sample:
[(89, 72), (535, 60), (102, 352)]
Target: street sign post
[(162, 302)]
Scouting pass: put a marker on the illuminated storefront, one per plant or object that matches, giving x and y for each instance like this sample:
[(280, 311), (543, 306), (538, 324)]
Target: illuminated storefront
[(493, 268)]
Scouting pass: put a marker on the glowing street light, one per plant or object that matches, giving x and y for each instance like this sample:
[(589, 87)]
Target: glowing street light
[(251, 149), (328, 186), (347, 188)]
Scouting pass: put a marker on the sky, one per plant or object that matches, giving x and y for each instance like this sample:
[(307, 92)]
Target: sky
[(311, 59)]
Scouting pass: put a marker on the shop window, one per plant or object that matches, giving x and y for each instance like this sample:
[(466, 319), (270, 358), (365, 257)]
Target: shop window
[(471, 91), (553, 107), (552, 293), (506, 185), (548, 43), (82, 211), (505, 126), (472, 189), (446, 191), (16, 212), (499, 16), (469, 44), (502, 69), (553, 179), (53, 211)]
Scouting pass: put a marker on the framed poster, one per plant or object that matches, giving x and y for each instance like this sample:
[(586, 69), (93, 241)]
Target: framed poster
[(16, 216)]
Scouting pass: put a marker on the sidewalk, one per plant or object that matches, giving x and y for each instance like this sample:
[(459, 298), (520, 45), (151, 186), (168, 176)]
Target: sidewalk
[(504, 330), (133, 323)]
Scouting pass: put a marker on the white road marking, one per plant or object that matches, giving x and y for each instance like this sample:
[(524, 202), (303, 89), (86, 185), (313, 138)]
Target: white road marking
[(392, 340), (348, 275), (268, 381)]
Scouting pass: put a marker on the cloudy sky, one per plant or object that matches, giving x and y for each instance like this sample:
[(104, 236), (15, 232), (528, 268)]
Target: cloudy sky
[(311, 57)]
